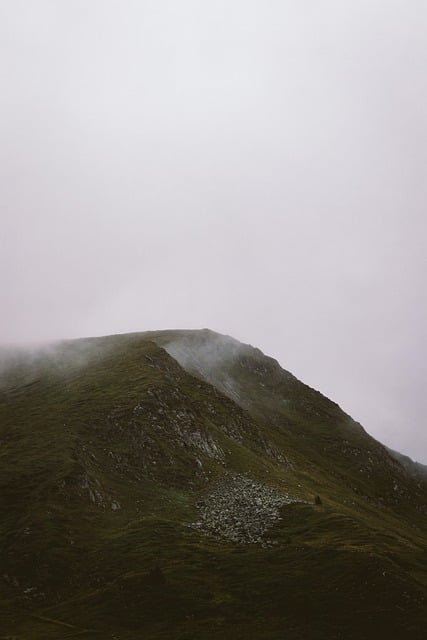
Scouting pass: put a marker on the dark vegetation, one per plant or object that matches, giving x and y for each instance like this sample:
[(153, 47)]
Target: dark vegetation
[(108, 445)]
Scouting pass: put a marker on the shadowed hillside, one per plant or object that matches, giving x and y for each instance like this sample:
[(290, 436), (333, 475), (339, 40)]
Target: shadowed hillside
[(179, 484)]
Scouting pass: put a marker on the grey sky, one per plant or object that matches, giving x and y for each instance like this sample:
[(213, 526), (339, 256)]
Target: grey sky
[(256, 167)]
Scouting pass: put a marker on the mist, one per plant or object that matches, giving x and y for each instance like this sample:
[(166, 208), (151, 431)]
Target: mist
[(208, 355), (257, 168)]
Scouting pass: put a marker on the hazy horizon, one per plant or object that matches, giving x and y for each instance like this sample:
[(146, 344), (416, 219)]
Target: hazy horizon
[(257, 168)]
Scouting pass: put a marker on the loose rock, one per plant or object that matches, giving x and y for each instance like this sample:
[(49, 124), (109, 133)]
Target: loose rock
[(240, 509)]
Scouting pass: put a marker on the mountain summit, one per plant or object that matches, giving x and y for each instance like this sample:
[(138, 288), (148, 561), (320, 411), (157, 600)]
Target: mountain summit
[(181, 485)]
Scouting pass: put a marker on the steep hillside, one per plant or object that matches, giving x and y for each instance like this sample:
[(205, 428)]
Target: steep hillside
[(416, 469), (180, 484), (303, 421)]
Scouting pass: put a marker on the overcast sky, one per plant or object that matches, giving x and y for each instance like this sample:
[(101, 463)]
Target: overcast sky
[(258, 167)]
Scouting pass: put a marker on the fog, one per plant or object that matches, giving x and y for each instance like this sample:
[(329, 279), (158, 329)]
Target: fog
[(254, 167), (208, 355)]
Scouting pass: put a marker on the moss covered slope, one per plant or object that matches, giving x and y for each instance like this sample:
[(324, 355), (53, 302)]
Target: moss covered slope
[(163, 486)]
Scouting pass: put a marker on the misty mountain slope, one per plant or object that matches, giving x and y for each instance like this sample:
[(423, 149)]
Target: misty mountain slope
[(144, 498), (305, 421), (416, 469)]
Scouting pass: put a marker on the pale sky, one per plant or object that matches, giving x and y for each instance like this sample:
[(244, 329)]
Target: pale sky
[(258, 167)]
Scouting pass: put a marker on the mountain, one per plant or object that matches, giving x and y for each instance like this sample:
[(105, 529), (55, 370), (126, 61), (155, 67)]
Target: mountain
[(182, 485), (416, 469)]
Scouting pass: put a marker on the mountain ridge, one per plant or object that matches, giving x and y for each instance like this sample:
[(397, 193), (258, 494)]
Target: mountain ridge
[(123, 455)]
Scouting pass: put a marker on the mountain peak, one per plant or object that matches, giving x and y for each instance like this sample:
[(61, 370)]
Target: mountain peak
[(182, 484)]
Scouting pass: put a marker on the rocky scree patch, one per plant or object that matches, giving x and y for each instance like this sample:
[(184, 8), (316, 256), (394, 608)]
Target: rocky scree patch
[(240, 509)]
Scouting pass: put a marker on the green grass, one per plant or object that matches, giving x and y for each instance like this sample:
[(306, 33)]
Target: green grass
[(105, 422)]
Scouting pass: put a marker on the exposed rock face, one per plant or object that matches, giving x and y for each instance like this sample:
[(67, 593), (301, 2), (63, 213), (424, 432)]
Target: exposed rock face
[(240, 509)]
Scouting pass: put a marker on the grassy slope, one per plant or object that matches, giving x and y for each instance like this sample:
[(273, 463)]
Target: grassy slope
[(99, 479)]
